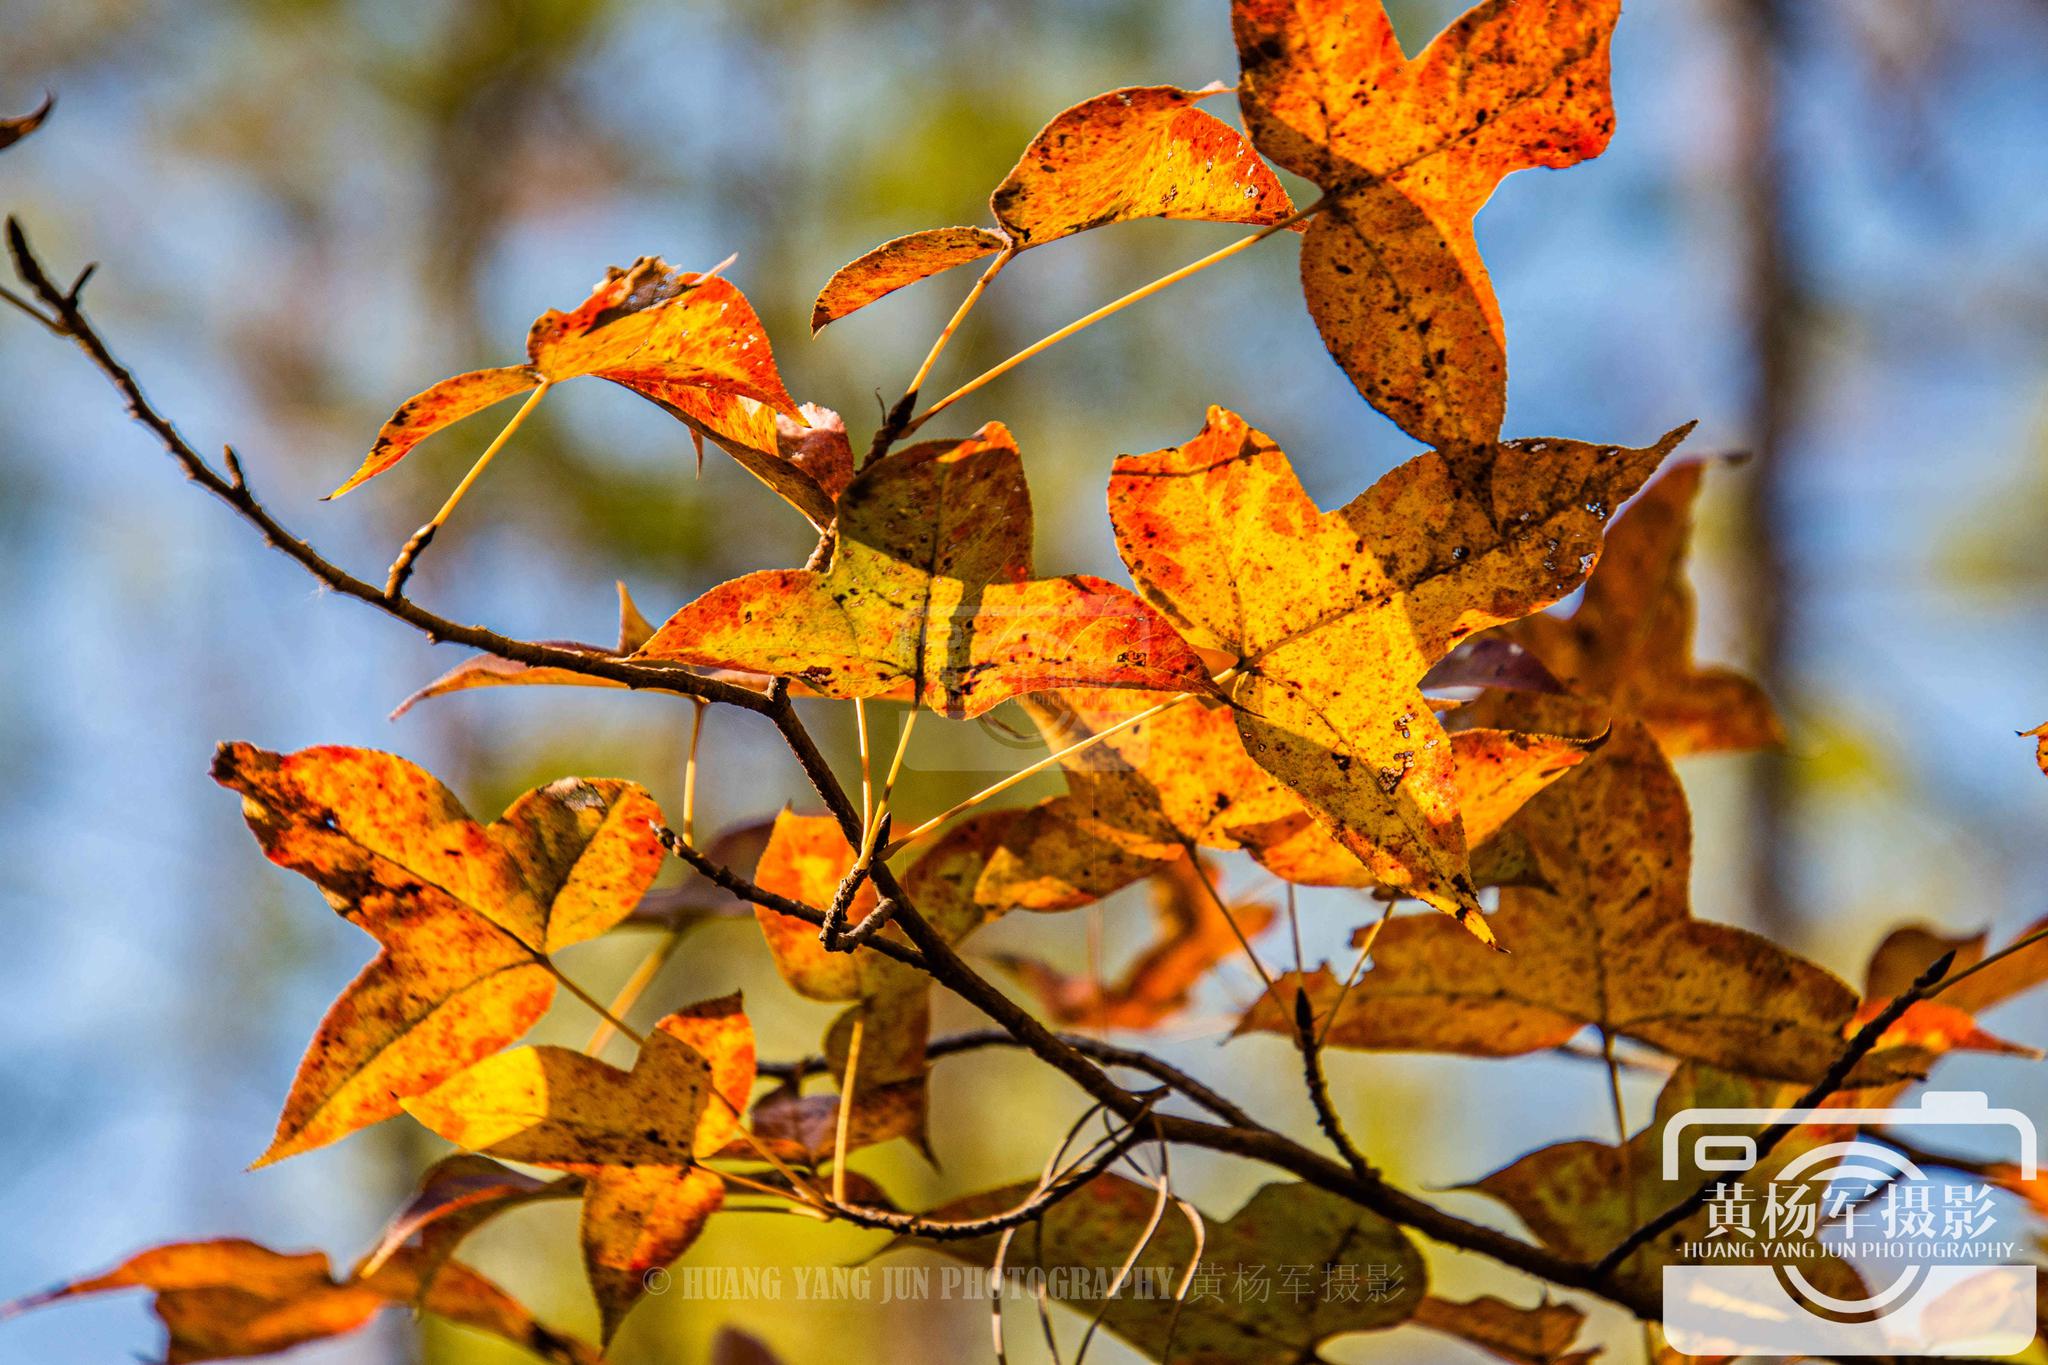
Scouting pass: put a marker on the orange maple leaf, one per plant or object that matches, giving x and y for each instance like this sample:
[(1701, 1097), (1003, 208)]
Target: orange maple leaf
[(1406, 151)]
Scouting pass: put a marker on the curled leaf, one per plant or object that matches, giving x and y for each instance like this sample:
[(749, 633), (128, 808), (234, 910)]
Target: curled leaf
[(13, 130)]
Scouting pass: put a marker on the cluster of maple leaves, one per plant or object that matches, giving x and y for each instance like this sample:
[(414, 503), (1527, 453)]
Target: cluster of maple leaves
[(1369, 697)]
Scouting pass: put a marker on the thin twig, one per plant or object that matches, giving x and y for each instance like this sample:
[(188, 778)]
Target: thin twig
[(71, 320), (1867, 1037), (409, 554), (1319, 1089)]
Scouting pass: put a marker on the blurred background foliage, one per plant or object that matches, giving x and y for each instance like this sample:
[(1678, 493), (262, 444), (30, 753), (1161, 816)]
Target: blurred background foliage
[(1820, 231)]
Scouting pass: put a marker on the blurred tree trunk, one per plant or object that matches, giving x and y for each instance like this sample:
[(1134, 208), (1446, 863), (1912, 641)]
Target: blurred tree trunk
[(1756, 38)]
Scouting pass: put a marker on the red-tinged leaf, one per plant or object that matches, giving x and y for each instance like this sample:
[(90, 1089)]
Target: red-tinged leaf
[(443, 405), (893, 264), (1141, 152), (13, 130), (1948, 1023), (1542, 1335), (465, 913), (806, 858), (1611, 943), (454, 1197), (817, 447), (637, 1220), (690, 343), (1359, 1272), (1630, 642), (1407, 152), (234, 1299), (931, 585), (1337, 616), (1192, 936)]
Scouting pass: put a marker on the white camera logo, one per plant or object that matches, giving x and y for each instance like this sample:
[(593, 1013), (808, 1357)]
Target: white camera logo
[(1939, 1278)]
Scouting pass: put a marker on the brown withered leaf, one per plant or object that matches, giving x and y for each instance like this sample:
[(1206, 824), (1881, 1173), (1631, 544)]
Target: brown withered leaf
[(1611, 943), (465, 914), (1407, 151), (689, 343), (1542, 1335), (931, 585), (893, 264), (1141, 152), (1630, 642), (1281, 1225), (804, 1129), (1581, 1198), (232, 1299), (13, 130), (1336, 617), (1191, 937)]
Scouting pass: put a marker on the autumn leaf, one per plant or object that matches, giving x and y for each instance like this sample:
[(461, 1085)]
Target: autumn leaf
[(1630, 642), (1406, 151), (634, 1136), (1141, 152), (1192, 935), (1336, 617), (2039, 734), (1145, 151), (1542, 1335), (1611, 943), (1090, 1234), (1580, 1199), (637, 1220), (465, 914), (1949, 1022), (931, 585), (1498, 772), (13, 130), (231, 1299), (454, 1197), (553, 1106), (895, 263), (689, 343)]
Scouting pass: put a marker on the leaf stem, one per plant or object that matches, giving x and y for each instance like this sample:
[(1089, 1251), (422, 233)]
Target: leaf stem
[(402, 567), (639, 1038), (1107, 310), (1372, 936), (997, 789), (657, 958), (1003, 258), (844, 1125)]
